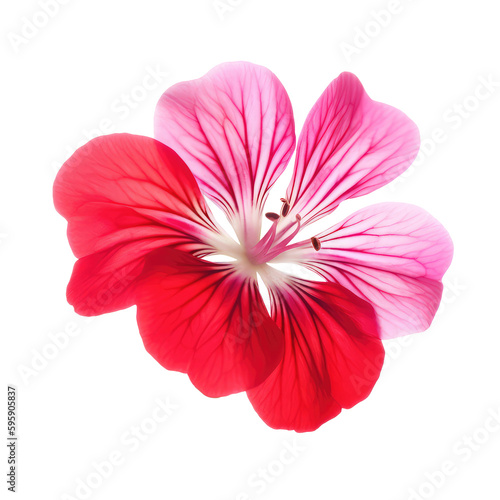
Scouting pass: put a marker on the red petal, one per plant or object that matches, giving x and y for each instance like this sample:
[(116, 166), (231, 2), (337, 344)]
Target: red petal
[(101, 226), (332, 355), (349, 146), (124, 195), (104, 282), (234, 128), (206, 320)]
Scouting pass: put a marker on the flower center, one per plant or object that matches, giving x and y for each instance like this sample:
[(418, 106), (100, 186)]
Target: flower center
[(284, 228)]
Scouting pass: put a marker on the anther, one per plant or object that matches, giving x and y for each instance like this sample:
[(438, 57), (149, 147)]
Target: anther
[(285, 209), (298, 217), (283, 200), (272, 216), (316, 243)]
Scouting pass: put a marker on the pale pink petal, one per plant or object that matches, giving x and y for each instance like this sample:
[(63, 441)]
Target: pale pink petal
[(350, 145), (234, 128), (393, 255)]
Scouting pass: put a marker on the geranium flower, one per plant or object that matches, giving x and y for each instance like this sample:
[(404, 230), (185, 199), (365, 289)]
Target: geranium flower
[(141, 230)]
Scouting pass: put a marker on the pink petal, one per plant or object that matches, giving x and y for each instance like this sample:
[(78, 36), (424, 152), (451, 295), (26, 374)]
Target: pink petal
[(349, 146), (332, 358), (393, 255), (206, 320), (234, 128), (123, 196)]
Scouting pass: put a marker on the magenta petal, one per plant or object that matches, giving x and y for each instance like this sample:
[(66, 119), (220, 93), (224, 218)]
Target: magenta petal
[(393, 255), (350, 145), (234, 128)]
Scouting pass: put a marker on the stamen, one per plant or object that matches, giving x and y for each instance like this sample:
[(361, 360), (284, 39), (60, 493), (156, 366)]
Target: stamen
[(272, 216), (316, 243), (267, 240), (282, 239), (278, 236)]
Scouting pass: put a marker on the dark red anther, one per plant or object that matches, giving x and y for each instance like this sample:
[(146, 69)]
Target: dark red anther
[(272, 216), (316, 243), (285, 209)]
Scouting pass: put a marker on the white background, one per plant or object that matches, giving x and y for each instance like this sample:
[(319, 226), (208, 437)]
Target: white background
[(437, 388)]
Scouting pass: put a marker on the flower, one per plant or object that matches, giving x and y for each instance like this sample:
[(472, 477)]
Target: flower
[(141, 230)]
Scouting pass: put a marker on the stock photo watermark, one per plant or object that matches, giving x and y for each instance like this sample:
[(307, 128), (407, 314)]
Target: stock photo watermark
[(3, 238), (453, 289), (453, 118), (462, 451), (366, 32), (262, 478), (12, 458), (120, 109), (32, 25), (131, 439), (60, 340), (55, 343), (223, 7)]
